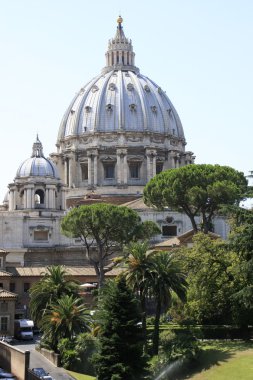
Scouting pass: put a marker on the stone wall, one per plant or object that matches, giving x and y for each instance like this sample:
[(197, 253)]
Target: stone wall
[(14, 360)]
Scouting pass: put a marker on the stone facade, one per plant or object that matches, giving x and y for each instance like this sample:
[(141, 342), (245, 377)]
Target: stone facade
[(119, 131)]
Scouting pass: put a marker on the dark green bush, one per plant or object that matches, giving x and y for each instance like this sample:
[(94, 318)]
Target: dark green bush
[(76, 354)]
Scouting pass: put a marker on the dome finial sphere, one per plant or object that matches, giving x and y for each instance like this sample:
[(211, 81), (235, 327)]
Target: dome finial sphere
[(119, 20)]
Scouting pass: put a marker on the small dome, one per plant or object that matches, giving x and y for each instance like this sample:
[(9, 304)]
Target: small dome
[(37, 164)]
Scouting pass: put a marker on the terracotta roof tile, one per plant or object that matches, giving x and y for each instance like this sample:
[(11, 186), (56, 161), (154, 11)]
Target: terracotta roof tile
[(73, 271), (6, 294), (3, 273)]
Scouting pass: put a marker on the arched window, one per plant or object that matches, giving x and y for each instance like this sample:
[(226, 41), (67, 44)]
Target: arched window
[(39, 198)]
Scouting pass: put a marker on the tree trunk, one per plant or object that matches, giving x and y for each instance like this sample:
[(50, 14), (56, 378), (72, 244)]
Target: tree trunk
[(156, 328), (144, 318), (193, 222), (101, 267)]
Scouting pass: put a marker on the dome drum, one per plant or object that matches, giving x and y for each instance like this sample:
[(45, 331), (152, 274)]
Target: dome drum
[(110, 164)]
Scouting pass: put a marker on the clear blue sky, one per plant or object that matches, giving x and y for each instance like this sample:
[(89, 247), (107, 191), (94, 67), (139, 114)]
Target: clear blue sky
[(198, 51)]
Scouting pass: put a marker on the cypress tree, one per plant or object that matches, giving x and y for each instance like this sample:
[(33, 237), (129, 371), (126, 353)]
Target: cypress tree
[(120, 354)]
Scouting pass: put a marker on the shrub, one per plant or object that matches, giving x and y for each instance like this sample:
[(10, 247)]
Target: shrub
[(76, 353)]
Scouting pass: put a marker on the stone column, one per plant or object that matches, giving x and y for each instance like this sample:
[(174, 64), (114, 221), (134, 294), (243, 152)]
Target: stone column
[(33, 197), (70, 171), (46, 198), (11, 201), (95, 168), (121, 166), (120, 57), (148, 168), (63, 199), (125, 169), (66, 171), (25, 198), (118, 168), (151, 163), (89, 170), (29, 200), (154, 165)]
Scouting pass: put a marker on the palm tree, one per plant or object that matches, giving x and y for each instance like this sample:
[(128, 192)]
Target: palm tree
[(138, 275), (52, 286), (67, 317), (167, 277)]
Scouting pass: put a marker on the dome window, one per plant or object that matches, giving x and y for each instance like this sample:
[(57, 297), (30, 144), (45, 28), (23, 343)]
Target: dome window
[(146, 88), (130, 87), (154, 109), (159, 90), (88, 109), (170, 113), (72, 112), (132, 107), (94, 88), (109, 107), (109, 171), (112, 87)]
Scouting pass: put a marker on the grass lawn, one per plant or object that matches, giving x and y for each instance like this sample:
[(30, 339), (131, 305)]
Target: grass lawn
[(225, 361), (80, 376)]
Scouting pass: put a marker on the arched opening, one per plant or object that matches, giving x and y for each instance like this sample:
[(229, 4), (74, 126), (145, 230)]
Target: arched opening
[(21, 199), (39, 198)]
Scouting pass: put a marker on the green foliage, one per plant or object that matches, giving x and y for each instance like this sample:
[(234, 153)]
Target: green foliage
[(211, 278), (66, 317), (109, 226), (53, 285), (146, 230), (196, 190), (69, 355), (120, 350), (76, 353), (137, 271), (174, 346), (241, 242), (167, 277)]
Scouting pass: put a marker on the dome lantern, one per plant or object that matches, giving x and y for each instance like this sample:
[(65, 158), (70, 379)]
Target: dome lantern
[(37, 148), (120, 53)]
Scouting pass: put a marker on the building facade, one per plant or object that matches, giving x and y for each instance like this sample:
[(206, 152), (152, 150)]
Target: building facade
[(118, 132)]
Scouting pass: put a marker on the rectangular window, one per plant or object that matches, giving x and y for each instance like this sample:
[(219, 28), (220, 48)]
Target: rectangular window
[(26, 287), (159, 168), (4, 306), (84, 169), (40, 235), (134, 170), (4, 324), (1, 285), (109, 171), (12, 286), (169, 230)]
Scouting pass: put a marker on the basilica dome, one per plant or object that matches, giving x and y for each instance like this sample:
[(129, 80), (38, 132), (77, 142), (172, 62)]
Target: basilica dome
[(37, 164), (120, 99), (120, 129)]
